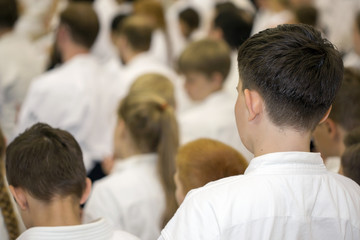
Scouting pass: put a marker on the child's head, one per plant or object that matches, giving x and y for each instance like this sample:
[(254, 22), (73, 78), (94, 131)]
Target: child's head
[(148, 122), (6, 206), (189, 21), (45, 164), (202, 161), (350, 160), (157, 84), (343, 118), (152, 10), (295, 72), (205, 64)]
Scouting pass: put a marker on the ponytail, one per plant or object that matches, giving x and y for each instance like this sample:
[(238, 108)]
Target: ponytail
[(153, 127), (6, 205)]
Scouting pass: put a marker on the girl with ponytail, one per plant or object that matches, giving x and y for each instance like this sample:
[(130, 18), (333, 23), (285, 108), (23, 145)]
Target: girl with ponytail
[(139, 194), (9, 226)]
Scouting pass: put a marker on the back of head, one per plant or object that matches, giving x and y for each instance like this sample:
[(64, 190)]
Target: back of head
[(82, 23), (207, 57), (47, 163), (157, 84), (234, 26), (151, 122), (152, 10), (8, 13), (350, 160), (191, 17), (204, 160), (7, 208), (295, 70), (138, 31), (346, 107)]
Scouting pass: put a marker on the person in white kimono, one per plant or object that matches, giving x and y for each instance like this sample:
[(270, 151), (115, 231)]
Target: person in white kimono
[(344, 118), (67, 96), (47, 178), (206, 64), (138, 196), (19, 64), (288, 79)]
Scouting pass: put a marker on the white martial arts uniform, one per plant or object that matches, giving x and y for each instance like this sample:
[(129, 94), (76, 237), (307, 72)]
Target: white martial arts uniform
[(285, 195), (19, 64), (98, 230), (212, 118), (67, 98), (131, 198)]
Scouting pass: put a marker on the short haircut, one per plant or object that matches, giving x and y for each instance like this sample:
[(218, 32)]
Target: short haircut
[(295, 70), (117, 21), (350, 160), (346, 107), (235, 27), (191, 17), (46, 162), (157, 84), (151, 9), (138, 31), (206, 56), (204, 160), (8, 13), (82, 23)]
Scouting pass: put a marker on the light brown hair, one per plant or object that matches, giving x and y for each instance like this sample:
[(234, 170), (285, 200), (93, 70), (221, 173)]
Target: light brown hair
[(153, 127), (204, 160), (6, 206), (152, 9), (206, 56), (157, 84)]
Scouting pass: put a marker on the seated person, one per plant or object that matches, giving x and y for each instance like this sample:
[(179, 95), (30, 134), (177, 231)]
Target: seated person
[(47, 178), (202, 161), (205, 65), (350, 160), (138, 196), (344, 117)]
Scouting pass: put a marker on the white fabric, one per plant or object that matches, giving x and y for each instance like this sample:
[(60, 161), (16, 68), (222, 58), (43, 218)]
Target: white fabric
[(19, 64), (98, 230), (212, 118), (131, 198), (232, 79), (285, 195), (352, 60), (66, 97), (333, 164)]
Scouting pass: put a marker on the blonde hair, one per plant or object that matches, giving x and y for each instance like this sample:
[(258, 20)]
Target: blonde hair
[(157, 84), (152, 9), (6, 205), (153, 127), (204, 160)]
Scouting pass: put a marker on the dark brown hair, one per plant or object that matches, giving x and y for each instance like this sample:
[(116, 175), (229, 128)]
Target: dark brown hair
[(82, 22), (206, 56), (346, 107), (8, 13), (350, 160), (204, 160), (295, 70), (153, 127), (46, 162), (7, 208)]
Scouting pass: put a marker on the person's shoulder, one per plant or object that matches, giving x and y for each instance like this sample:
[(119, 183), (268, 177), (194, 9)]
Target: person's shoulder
[(345, 183), (121, 235)]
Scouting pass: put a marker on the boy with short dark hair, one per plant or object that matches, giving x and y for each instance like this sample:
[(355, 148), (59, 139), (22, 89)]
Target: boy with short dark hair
[(289, 77), (47, 178)]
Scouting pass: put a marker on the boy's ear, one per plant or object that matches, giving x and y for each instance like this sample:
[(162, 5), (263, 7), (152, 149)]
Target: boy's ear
[(86, 192), (217, 80), (20, 197), (254, 103), (326, 115)]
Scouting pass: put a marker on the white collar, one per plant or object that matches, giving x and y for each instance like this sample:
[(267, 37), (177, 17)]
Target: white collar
[(287, 162)]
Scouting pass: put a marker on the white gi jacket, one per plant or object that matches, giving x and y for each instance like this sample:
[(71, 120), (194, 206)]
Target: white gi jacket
[(67, 98), (212, 118), (131, 198), (97, 230), (284, 195)]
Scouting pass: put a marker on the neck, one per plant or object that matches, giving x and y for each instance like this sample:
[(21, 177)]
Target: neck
[(72, 50), (274, 139), (59, 212)]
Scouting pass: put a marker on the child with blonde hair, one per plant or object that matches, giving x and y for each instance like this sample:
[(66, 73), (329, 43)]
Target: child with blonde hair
[(139, 194)]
